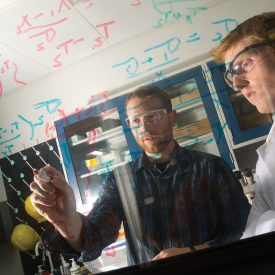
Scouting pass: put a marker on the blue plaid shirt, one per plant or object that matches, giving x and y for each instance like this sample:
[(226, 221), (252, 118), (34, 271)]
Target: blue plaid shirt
[(195, 199)]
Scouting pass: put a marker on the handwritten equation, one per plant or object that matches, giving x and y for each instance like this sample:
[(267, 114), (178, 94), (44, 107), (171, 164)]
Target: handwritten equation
[(45, 32), (23, 126), (60, 32), (10, 68), (167, 52)]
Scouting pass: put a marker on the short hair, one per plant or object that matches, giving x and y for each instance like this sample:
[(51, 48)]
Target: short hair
[(151, 91), (256, 29)]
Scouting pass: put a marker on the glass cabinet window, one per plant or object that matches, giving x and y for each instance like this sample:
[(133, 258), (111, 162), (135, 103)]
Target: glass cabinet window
[(247, 114), (193, 129), (97, 145), (243, 119)]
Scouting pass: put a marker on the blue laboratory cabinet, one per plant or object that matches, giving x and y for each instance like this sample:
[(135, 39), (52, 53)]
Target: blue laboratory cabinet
[(243, 119), (97, 139)]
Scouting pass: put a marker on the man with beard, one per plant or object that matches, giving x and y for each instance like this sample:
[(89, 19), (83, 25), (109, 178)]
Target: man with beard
[(186, 200), (249, 55)]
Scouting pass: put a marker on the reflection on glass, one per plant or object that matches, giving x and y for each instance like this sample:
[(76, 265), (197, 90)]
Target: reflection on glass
[(97, 146), (171, 204), (193, 129), (177, 203), (247, 114), (184, 93)]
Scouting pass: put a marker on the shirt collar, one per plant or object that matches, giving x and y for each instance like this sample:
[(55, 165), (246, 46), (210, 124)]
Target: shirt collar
[(271, 135), (179, 153)]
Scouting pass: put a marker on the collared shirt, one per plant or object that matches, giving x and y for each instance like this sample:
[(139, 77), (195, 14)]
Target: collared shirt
[(262, 215), (196, 199)]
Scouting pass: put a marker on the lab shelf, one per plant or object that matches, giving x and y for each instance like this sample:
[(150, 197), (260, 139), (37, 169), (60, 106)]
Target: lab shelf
[(103, 170), (243, 119), (197, 139), (185, 107), (109, 134)]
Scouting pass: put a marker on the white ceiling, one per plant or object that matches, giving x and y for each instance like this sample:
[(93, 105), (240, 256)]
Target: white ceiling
[(38, 37)]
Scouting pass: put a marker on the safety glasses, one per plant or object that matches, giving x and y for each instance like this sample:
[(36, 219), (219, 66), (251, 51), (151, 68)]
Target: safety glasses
[(147, 118), (243, 63)]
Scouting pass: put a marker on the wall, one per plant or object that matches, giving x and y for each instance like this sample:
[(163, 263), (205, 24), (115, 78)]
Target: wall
[(27, 114), (10, 262)]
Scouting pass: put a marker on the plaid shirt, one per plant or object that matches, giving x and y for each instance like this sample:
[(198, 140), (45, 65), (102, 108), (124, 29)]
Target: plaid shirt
[(196, 199)]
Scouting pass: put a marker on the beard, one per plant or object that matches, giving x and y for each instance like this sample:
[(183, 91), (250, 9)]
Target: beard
[(155, 143)]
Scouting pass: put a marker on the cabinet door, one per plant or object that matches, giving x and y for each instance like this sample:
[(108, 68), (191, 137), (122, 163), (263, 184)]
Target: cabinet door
[(198, 126), (243, 119), (92, 143)]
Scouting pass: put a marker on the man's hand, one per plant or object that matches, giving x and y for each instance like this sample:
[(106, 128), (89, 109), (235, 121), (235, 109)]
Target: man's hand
[(172, 252), (177, 251), (56, 202)]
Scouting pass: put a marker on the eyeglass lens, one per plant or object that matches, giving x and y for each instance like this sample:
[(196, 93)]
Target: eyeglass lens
[(243, 63), (148, 118)]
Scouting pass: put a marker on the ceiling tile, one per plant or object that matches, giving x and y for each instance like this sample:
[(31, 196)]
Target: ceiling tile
[(16, 70), (51, 32), (122, 19)]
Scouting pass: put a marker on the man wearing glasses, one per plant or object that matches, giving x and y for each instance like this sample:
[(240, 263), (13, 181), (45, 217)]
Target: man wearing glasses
[(249, 55), (185, 199)]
